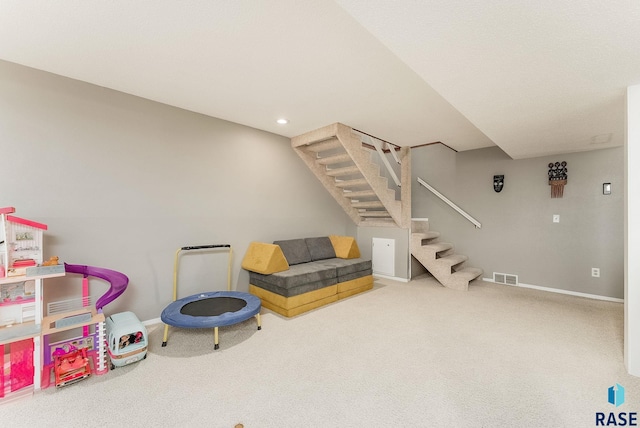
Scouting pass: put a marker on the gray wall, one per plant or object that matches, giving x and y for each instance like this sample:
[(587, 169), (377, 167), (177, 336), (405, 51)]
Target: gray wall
[(517, 234), (122, 182)]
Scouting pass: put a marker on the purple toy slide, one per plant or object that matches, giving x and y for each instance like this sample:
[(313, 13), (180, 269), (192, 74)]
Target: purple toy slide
[(118, 281)]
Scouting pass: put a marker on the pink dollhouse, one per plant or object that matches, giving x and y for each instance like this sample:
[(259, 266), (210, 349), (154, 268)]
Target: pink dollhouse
[(30, 342), (20, 303)]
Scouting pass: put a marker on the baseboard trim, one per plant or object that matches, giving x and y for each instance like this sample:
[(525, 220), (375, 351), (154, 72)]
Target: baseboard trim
[(561, 291), (392, 278), (151, 322), (535, 287)]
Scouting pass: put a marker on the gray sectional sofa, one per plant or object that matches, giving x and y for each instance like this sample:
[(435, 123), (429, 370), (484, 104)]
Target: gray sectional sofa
[(296, 275)]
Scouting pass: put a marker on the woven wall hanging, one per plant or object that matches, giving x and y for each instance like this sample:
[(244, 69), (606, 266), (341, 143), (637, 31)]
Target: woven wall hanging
[(557, 178)]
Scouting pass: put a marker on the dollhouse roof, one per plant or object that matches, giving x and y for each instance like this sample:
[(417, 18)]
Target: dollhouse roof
[(22, 221)]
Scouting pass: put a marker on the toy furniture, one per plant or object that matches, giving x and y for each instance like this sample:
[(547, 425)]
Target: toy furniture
[(21, 306), (72, 367), (210, 309), (295, 276), (64, 316), (26, 356)]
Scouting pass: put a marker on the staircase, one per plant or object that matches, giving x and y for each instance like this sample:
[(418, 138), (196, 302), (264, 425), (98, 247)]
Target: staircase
[(338, 158), (439, 258), (335, 154)]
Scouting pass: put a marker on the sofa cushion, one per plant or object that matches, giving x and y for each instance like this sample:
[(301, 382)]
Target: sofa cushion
[(355, 275), (298, 275), (264, 258), (320, 248), (346, 247), (348, 266), (294, 291), (295, 251)]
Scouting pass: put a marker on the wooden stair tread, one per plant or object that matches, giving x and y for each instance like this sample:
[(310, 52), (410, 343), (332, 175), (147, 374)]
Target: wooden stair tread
[(360, 194), (426, 235), (352, 183), (321, 146), (374, 214), (347, 170), (438, 246), (378, 222), (468, 273), (330, 160), (453, 259), (367, 204)]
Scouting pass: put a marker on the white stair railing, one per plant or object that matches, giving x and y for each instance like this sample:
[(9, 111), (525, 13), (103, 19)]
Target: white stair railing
[(376, 143), (460, 211), (392, 150)]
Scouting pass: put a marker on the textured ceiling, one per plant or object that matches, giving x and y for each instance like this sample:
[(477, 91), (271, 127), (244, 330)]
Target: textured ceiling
[(537, 78), (533, 78)]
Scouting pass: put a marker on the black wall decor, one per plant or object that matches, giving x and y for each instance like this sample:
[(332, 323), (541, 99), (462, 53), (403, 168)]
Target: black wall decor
[(498, 183), (557, 178)]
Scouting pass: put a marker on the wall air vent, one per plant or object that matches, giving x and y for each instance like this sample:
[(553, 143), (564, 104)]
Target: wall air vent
[(505, 278)]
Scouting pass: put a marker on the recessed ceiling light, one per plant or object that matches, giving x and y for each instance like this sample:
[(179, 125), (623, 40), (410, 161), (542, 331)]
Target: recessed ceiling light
[(282, 121)]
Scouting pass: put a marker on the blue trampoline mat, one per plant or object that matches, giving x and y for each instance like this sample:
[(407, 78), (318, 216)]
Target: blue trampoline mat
[(213, 309)]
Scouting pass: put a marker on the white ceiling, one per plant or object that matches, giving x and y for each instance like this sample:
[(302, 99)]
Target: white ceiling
[(534, 78)]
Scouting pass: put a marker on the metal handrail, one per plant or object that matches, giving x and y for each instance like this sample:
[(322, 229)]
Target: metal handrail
[(460, 211)]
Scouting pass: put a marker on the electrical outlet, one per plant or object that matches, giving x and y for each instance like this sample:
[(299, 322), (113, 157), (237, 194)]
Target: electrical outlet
[(595, 272), (556, 218)]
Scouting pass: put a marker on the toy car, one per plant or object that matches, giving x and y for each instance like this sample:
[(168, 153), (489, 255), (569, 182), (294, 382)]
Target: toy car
[(126, 339), (71, 367)]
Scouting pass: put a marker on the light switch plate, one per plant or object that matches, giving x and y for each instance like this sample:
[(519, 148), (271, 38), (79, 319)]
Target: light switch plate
[(556, 218)]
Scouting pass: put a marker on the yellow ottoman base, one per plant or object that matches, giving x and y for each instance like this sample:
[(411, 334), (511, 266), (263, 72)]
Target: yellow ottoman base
[(296, 305)]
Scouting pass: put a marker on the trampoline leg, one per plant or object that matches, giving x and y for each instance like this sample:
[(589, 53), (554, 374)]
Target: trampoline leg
[(166, 333), (259, 321), (215, 338)]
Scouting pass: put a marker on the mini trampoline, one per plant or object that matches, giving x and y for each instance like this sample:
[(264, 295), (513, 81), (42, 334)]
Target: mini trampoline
[(210, 309)]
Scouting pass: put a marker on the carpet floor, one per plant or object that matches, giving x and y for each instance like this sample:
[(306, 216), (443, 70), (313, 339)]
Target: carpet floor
[(400, 355)]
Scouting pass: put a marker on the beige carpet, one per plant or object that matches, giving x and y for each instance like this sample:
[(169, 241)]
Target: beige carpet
[(400, 355)]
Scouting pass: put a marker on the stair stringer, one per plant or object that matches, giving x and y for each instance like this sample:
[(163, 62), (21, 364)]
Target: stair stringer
[(336, 139), (371, 172), (440, 259), (329, 184)]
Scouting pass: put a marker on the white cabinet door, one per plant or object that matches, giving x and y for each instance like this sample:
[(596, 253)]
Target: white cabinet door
[(383, 256)]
